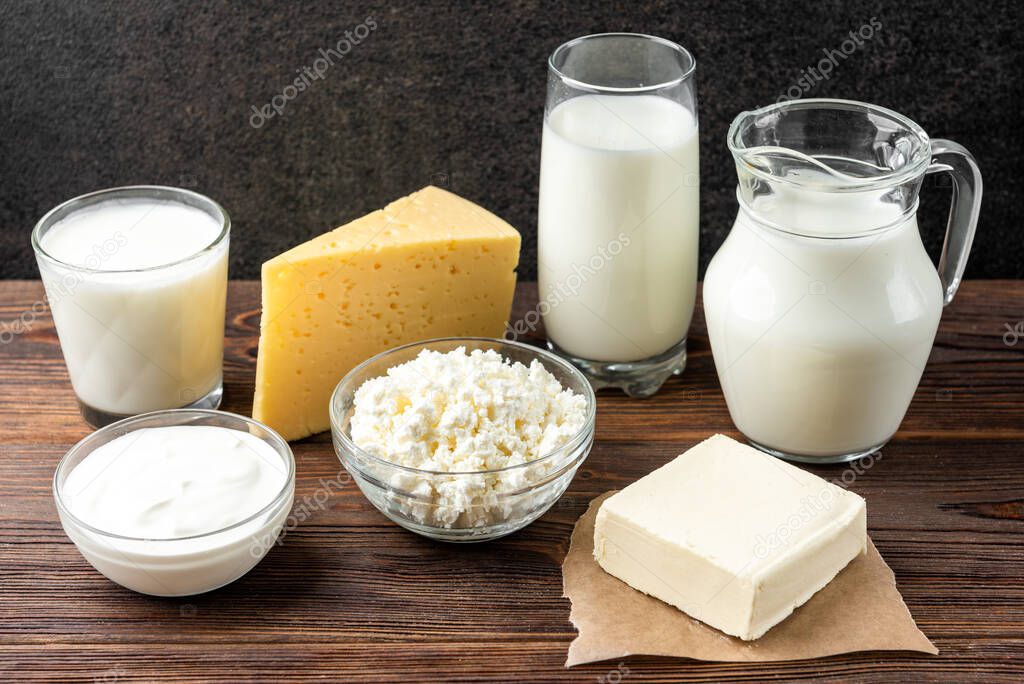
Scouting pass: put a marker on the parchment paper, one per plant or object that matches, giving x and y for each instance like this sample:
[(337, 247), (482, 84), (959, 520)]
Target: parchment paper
[(860, 610)]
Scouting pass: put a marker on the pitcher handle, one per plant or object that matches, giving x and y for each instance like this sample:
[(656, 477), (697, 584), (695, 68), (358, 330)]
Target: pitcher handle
[(955, 160)]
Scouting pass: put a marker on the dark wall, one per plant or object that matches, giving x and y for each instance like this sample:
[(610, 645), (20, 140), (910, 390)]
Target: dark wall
[(101, 94)]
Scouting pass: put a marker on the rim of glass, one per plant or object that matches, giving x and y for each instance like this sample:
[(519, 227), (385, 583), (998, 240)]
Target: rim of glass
[(68, 207), (913, 168), (275, 440), (582, 85), (344, 387)]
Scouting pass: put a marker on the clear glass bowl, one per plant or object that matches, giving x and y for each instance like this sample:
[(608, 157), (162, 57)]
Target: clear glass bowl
[(408, 496), (179, 566)]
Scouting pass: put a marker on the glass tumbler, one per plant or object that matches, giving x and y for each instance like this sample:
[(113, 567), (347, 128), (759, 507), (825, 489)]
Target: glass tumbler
[(136, 280), (618, 213)]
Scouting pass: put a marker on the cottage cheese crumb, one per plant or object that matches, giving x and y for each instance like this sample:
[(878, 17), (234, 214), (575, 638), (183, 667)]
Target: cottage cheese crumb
[(460, 412)]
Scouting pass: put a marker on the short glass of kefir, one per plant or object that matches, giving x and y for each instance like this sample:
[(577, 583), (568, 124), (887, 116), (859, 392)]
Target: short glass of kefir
[(618, 211), (822, 304), (136, 279)]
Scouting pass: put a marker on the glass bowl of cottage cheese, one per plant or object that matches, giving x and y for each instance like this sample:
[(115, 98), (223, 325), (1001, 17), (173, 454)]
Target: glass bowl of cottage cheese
[(463, 439)]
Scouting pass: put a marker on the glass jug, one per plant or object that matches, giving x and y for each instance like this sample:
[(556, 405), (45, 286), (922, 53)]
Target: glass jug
[(822, 304)]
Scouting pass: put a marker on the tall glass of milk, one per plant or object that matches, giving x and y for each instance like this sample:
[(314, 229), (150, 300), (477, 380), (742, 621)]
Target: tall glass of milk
[(618, 214), (822, 304), (136, 279)]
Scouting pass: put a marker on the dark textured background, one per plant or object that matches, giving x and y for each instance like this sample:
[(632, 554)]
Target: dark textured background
[(101, 94)]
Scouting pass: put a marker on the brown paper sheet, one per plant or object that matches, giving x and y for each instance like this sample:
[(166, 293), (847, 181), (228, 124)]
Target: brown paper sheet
[(860, 610)]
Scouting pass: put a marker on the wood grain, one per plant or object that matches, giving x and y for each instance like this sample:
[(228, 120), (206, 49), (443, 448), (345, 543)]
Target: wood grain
[(350, 596)]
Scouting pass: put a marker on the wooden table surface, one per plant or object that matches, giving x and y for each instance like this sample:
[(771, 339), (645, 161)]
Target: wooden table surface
[(351, 596)]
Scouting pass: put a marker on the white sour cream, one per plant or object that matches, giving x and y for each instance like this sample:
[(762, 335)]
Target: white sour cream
[(178, 481), (180, 509)]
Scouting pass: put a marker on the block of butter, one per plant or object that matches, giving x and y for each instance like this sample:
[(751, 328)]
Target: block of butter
[(735, 538), (428, 265)]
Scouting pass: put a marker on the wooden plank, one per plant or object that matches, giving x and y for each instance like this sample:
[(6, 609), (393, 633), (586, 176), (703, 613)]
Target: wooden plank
[(348, 595)]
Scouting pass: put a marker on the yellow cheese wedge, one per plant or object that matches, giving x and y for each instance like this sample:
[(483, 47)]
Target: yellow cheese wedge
[(428, 265)]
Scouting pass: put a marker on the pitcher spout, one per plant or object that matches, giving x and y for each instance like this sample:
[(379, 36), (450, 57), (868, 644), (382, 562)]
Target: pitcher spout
[(829, 145)]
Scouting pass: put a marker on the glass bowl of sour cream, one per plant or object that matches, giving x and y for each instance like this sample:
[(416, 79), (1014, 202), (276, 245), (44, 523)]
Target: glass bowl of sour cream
[(463, 439), (176, 502)]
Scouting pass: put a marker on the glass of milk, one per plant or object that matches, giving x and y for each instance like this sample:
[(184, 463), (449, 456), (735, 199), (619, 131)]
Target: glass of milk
[(618, 214), (136, 279), (822, 304)]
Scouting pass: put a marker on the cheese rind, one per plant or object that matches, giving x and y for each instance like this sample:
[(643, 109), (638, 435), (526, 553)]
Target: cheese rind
[(428, 265), (735, 538)]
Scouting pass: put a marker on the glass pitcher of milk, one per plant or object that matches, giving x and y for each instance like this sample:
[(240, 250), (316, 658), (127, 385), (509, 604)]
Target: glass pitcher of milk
[(618, 212), (822, 304)]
